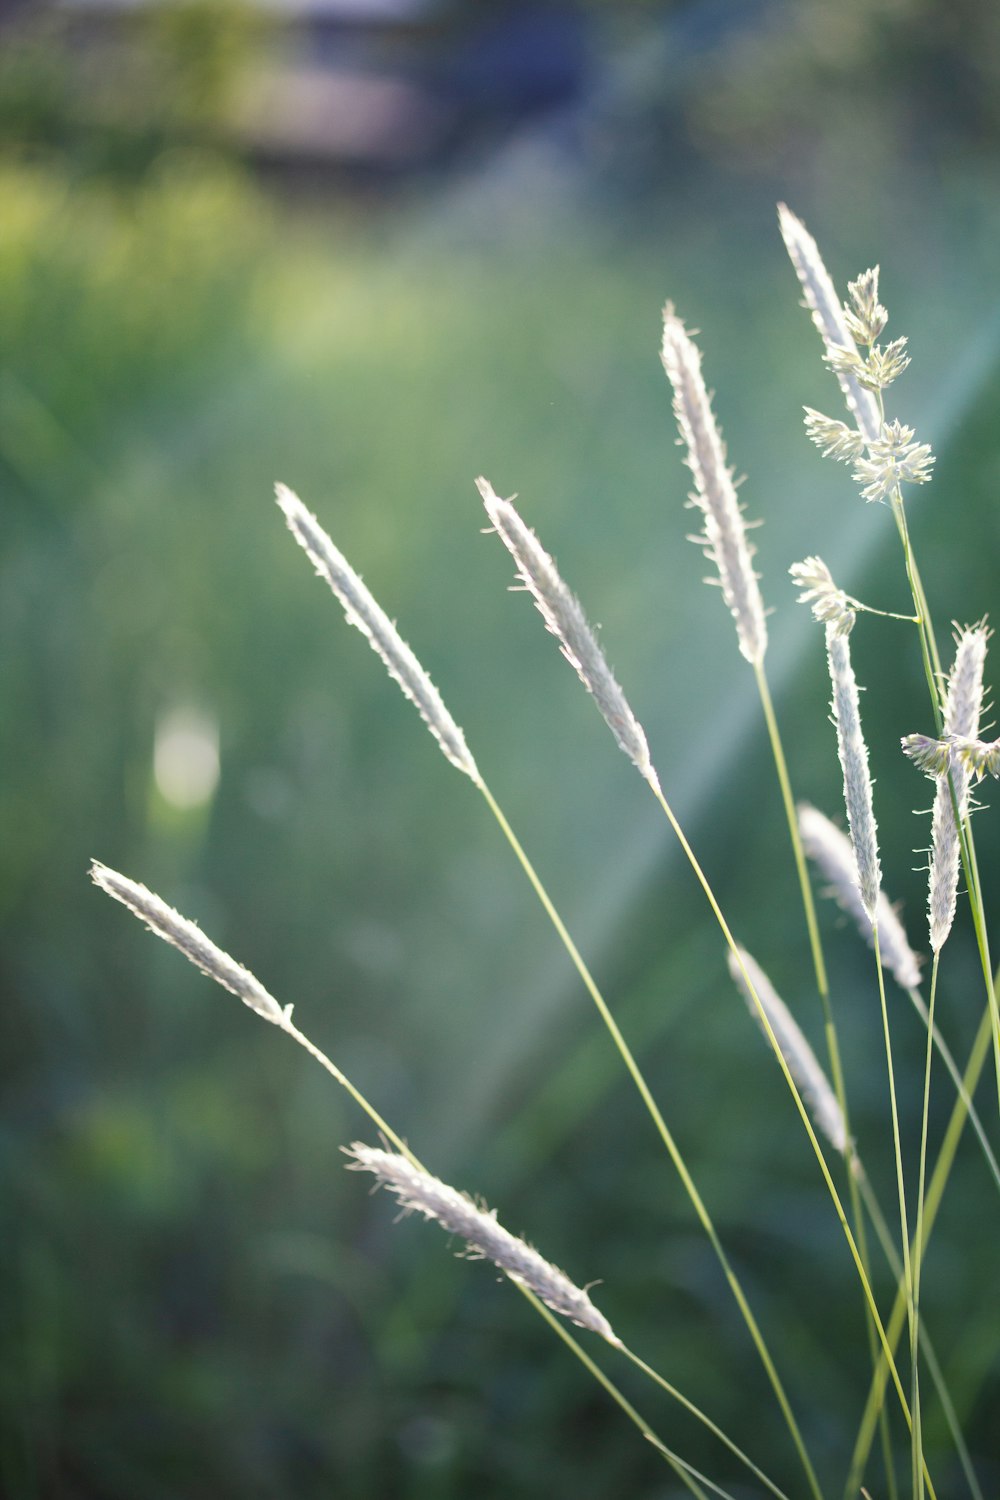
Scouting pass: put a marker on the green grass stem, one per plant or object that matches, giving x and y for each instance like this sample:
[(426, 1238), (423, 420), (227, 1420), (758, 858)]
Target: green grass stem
[(665, 1134), (935, 1192)]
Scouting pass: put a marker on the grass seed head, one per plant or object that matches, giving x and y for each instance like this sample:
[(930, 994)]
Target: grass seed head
[(418, 1191), (853, 754), (565, 619), (962, 708), (189, 939), (833, 854), (724, 539), (366, 615), (812, 1082), (828, 315)]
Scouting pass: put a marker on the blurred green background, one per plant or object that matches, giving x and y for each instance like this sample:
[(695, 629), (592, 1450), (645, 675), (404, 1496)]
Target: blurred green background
[(374, 251)]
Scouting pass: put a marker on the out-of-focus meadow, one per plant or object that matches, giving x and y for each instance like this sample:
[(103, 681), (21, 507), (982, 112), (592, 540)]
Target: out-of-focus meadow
[(214, 275)]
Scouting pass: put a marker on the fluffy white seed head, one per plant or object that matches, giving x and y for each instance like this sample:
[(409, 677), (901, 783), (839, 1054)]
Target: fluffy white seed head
[(812, 1082), (865, 316), (566, 621), (365, 614), (828, 316), (418, 1191), (190, 940), (853, 754), (894, 459), (724, 539), (829, 604), (962, 709), (832, 853), (834, 438)]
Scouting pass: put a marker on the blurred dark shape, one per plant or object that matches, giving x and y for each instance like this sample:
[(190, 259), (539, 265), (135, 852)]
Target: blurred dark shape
[(336, 94), (322, 90)]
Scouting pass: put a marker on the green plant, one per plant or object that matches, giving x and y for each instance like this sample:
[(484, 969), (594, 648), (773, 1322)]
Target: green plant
[(885, 456)]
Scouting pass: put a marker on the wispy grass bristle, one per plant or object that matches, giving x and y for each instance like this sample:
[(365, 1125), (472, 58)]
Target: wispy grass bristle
[(565, 619), (831, 851), (829, 317), (486, 1239), (853, 754), (814, 1086), (366, 615), (189, 939), (725, 540)]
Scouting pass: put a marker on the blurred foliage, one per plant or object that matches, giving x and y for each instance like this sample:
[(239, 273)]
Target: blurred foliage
[(110, 100), (196, 1299)]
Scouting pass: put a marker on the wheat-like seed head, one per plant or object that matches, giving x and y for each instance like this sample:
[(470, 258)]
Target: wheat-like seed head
[(962, 707), (828, 316), (725, 540), (799, 1056), (366, 615), (566, 621), (417, 1190), (190, 940), (853, 754), (833, 853), (829, 604)]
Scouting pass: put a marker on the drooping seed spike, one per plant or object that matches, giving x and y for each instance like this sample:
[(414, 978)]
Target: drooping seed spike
[(831, 851), (725, 540), (812, 1082), (182, 934), (366, 615), (416, 1190), (566, 621)]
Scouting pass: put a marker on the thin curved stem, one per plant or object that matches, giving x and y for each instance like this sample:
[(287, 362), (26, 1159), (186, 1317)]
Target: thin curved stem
[(666, 1136), (922, 1178), (695, 1411), (297, 1036), (903, 1223), (801, 869), (685, 1472), (884, 1236), (935, 1192), (951, 1067), (830, 1029), (803, 1113)]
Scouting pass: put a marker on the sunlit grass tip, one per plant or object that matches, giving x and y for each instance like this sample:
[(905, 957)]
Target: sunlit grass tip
[(829, 317), (831, 851), (565, 619), (813, 1084), (724, 540), (366, 615), (853, 754), (486, 1239), (184, 935)]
